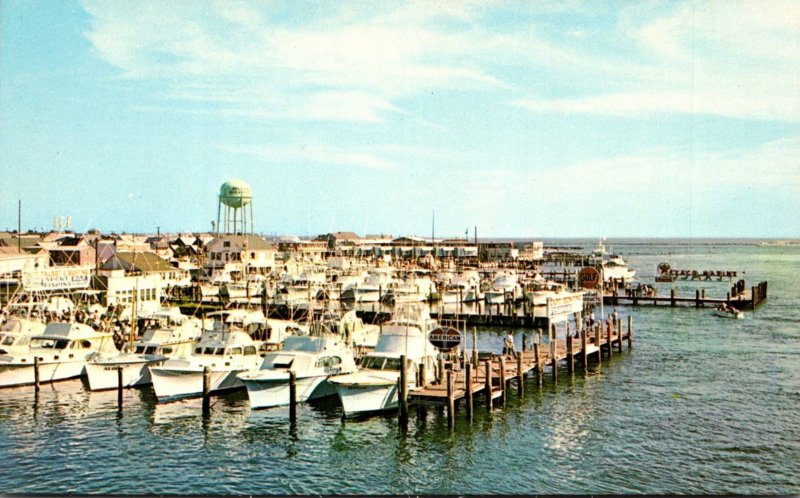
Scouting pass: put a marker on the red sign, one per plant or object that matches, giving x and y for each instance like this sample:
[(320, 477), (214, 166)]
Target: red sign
[(589, 277), (445, 338)]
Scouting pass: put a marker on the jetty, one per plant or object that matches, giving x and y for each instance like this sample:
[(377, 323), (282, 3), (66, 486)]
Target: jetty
[(738, 297)]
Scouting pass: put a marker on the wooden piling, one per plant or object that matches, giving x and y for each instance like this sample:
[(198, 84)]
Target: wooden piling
[(524, 340), (403, 393), (583, 349), (36, 374), (630, 332), (292, 396), (608, 340), (119, 387), (475, 348), (423, 374), (468, 375), (539, 369), (440, 374), (488, 365), (451, 402), (619, 335), (597, 342), (206, 390), (520, 376), (554, 356), (570, 356), (697, 298), (503, 379), (672, 297)]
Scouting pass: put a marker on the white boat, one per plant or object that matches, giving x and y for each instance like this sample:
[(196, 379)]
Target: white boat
[(170, 335), (374, 387), (311, 358), (16, 333), (62, 349), (614, 268), (226, 350), (727, 311), (505, 285), (373, 288), (275, 332)]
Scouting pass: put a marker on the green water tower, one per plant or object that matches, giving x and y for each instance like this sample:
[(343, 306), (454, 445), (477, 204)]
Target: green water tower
[(236, 196)]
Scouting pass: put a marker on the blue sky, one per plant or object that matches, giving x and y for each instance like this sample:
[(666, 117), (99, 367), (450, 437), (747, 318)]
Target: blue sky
[(523, 119)]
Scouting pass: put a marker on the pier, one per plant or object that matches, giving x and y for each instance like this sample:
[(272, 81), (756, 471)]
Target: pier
[(491, 375), (740, 298)]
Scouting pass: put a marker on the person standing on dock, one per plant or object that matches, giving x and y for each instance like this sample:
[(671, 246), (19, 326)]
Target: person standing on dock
[(508, 345)]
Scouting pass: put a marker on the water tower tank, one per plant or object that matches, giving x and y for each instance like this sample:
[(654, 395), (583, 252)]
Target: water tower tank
[(235, 194)]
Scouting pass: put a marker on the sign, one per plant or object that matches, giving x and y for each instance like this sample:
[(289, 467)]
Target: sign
[(559, 308), (57, 278), (445, 338), (589, 277)]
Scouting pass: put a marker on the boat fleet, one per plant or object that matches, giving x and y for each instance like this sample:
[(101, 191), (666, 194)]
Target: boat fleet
[(334, 354)]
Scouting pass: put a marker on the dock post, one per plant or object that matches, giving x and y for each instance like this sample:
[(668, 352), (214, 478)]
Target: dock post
[(753, 298), (451, 403), (488, 365), (520, 377), (597, 342), (206, 391), (403, 404), (583, 349), (475, 348), (292, 396), (697, 298), (468, 375), (119, 387), (703, 295), (423, 374), (672, 297), (619, 335), (630, 332), (524, 340), (503, 379), (539, 369), (440, 375), (570, 356), (609, 342), (36, 374), (554, 358)]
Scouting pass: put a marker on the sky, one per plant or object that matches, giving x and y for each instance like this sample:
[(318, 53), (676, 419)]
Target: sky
[(523, 119)]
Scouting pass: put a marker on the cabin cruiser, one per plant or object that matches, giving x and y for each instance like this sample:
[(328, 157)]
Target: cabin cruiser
[(169, 335), (226, 349), (272, 336), (311, 358), (373, 388), (372, 289), (463, 286), (612, 266), (410, 290), (16, 333), (62, 349), (725, 310), (538, 290), (504, 285)]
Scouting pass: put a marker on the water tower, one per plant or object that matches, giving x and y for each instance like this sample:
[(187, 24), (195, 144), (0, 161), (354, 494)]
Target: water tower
[(236, 196)]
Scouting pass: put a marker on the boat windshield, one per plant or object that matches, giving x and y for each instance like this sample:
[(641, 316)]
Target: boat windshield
[(47, 343), (7, 340), (302, 343), (381, 363)]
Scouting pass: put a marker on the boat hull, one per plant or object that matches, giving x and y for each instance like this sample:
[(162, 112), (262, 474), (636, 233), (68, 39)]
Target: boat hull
[(103, 375), (20, 374), (176, 383), (275, 392), (359, 400)]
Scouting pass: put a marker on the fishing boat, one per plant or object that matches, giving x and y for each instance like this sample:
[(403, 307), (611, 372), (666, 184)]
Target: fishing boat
[(311, 358), (505, 284), (62, 350), (373, 388), (728, 311), (16, 334), (169, 335), (226, 349)]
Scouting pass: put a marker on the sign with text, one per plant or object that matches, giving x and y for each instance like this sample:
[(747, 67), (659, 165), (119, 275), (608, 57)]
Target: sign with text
[(79, 277), (559, 308), (445, 338), (589, 277)]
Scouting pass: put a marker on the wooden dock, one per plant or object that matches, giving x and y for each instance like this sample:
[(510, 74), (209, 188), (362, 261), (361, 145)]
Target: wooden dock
[(744, 299), (491, 377)]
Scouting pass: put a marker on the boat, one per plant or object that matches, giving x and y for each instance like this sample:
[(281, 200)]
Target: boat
[(504, 285), (373, 388), (16, 333), (311, 358), (169, 335), (614, 269), (727, 311), (226, 349), (63, 349), (372, 289)]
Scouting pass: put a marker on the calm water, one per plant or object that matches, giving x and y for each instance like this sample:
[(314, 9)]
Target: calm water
[(701, 405)]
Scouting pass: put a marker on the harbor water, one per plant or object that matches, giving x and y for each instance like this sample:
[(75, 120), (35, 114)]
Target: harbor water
[(701, 404)]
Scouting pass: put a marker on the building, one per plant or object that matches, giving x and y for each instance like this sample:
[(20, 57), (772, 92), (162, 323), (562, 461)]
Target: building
[(498, 251), (256, 255)]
